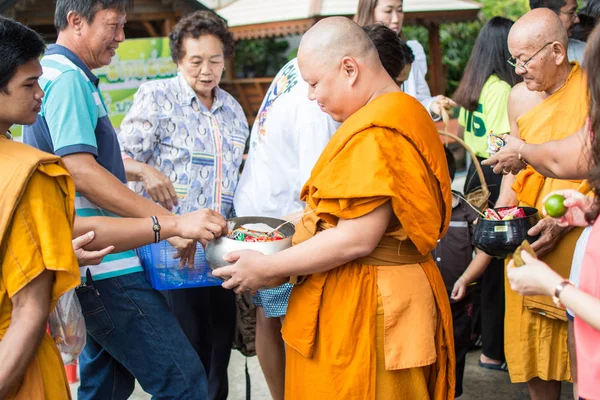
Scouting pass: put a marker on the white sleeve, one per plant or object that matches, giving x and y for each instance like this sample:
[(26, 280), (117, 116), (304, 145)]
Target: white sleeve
[(416, 84), (312, 136)]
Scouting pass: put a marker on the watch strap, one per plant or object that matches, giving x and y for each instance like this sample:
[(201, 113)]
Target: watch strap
[(558, 290), (156, 229)]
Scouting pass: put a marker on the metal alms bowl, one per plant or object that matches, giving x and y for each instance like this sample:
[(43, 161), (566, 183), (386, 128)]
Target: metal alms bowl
[(216, 249)]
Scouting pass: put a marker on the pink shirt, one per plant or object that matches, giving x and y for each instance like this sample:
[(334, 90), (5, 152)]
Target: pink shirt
[(586, 337)]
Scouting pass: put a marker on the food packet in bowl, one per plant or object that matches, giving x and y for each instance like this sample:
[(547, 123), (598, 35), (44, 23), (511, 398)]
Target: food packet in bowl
[(516, 257)]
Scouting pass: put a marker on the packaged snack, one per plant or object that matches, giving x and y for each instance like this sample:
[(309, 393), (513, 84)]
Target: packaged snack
[(511, 213), (244, 234), (495, 142), (525, 246)]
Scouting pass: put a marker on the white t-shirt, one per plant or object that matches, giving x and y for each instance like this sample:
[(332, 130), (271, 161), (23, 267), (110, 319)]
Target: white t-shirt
[(287, 138), (576, 50), (578, 257), (416, 85)]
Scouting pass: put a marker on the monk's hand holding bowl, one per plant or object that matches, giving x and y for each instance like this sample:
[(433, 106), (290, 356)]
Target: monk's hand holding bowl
[(550, 232), (251, 271), (507, 159), (533, 278)]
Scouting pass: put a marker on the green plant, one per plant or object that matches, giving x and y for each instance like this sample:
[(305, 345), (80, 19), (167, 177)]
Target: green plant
[(259, 57)]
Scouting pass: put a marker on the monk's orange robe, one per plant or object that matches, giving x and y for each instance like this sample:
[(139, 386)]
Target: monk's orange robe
[(379, 327), (535, 329), (36, 216)]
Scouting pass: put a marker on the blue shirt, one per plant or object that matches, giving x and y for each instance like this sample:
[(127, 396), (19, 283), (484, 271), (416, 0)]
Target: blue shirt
[(73, 119)]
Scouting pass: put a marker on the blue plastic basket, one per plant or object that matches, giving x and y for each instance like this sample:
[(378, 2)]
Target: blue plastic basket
[(163, 271)]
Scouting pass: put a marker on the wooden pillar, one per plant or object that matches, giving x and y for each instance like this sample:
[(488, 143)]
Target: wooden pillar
[(229, 69), (167, 26), (436, 69)]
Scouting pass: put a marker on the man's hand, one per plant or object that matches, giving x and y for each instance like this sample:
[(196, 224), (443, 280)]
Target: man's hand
[(507, 159), (186, 250), (158, 186), (89, 257), (550, 233), (202, 225), (250, 272)]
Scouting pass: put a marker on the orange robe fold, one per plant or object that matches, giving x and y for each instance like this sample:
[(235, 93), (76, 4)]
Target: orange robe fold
[(36, 215), (535, 329), (378, 327)]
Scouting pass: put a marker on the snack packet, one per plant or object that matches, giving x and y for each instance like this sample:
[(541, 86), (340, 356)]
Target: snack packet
[(516, 257), (495, 143)]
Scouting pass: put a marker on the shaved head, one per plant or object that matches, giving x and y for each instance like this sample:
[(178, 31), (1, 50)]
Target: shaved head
[(342, 67), (333, 38), (538, 27), (538, 42)]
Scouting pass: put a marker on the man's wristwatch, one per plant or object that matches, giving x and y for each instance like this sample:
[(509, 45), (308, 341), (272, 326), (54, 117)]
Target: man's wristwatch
[(156, 229), (558, 290)]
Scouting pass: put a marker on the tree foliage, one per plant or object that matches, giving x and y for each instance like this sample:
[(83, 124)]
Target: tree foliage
[(457, 39)]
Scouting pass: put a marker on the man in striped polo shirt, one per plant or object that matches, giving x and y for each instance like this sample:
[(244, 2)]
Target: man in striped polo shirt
[(131, 332)]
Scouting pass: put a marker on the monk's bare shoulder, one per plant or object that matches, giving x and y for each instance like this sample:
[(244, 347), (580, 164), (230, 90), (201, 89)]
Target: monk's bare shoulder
[(521, 100)]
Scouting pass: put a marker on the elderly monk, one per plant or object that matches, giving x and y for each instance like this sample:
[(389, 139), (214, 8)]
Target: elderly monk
[(369, 319), (550, 104)]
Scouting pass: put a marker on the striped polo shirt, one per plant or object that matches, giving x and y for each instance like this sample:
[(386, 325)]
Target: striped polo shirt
[(73, 120)]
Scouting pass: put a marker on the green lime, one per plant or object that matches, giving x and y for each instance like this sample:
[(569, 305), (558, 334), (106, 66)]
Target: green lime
[(555, 206)]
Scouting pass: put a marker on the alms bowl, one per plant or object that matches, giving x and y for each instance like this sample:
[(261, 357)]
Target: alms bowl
[(501, 238), (216, 249)]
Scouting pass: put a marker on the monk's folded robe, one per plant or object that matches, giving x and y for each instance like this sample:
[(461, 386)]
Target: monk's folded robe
[(37, 211), (535, 329), (380, 326)]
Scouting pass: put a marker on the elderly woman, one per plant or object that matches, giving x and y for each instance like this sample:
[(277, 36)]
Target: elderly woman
[(183, 142), (391, 14)]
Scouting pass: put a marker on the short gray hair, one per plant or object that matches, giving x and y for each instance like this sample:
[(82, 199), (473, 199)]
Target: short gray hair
[(86, 8)]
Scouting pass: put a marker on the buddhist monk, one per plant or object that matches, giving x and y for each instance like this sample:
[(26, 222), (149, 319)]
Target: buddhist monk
[(368, 318), (550, 104)]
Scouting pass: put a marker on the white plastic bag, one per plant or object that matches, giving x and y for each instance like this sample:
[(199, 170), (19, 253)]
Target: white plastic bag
[(67, 326)]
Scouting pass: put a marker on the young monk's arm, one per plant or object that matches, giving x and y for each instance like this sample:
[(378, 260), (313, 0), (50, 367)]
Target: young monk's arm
[(25, 332), (349, 240), (474, 270)]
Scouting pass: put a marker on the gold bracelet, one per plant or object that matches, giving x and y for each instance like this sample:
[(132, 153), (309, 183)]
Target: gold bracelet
[(558, 290), (519, 156)]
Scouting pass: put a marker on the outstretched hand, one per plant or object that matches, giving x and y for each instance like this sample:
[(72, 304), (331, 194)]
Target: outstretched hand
[(506, 160)]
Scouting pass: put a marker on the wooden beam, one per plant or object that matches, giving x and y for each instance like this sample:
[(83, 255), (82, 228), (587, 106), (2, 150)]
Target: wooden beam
[(435, 56), (150, 29)]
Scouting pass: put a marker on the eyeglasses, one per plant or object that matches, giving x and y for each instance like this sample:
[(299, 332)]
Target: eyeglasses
[(513, 61), (573, 13)]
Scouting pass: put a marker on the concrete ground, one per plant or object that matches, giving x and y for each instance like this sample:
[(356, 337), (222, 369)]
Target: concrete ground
[(478, 383)]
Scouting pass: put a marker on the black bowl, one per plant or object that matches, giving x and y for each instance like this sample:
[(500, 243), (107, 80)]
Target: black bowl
[(501, 238)]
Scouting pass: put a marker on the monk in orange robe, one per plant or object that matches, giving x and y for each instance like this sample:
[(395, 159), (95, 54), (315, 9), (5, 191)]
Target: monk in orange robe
[(550, 104), (369, 317)]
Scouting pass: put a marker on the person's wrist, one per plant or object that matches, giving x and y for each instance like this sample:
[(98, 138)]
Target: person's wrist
[(552, 283)]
